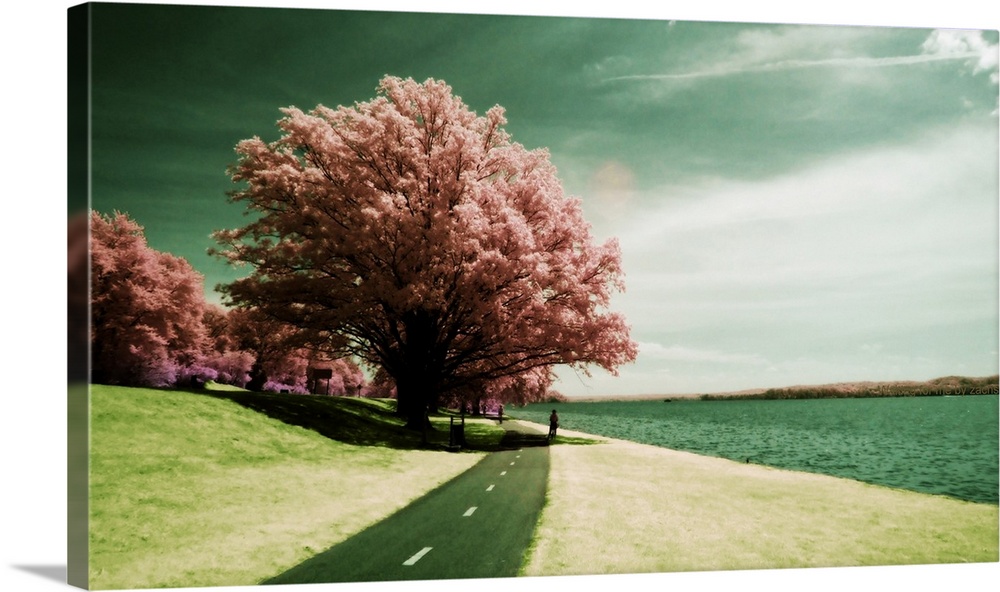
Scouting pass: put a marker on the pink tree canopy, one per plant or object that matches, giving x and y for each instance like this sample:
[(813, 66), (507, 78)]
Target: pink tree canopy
[(146, 308), (418, 237)]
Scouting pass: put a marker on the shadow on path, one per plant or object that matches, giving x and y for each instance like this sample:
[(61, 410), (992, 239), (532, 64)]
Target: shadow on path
[(519, 436), (477, 525)]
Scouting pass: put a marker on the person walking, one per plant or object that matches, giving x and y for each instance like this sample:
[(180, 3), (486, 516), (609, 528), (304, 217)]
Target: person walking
[(553, 424)]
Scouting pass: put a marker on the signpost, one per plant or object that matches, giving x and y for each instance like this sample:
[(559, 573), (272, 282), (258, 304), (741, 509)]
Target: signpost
[(317, 374)]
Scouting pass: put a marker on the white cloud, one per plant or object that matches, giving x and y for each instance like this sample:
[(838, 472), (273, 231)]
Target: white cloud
[(964, 45)]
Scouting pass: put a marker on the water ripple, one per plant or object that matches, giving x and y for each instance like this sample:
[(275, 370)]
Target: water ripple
[(940, 445)]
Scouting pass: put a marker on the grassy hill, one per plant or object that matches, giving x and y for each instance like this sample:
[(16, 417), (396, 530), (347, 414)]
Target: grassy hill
[(208, 488), (365, 422)]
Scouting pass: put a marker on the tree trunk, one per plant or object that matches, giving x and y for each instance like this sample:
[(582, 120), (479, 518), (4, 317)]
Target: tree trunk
[(416, 385), (257, 377), (411, 402)]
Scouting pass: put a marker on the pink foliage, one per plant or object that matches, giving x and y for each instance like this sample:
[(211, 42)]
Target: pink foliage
[(152, 327), (381, 386), (278, 360), (146, 308), (231, 367), (418, 237)]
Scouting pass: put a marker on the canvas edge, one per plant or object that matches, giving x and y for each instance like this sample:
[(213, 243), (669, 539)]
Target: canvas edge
[(78, 19)]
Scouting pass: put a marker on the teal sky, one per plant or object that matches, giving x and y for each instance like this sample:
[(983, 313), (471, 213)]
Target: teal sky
[(795, 204)]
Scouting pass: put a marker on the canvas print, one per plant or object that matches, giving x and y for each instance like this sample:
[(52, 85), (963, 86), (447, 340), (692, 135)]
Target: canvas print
[(367, 296)]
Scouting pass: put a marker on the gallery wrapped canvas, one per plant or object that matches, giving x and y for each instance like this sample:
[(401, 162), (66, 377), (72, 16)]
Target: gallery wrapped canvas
[(444, 298)]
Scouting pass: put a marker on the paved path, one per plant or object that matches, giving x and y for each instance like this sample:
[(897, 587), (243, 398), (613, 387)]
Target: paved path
[(478, 525)]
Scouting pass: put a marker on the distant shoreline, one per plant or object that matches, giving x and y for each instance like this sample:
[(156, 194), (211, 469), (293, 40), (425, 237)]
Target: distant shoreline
[(948, 386)]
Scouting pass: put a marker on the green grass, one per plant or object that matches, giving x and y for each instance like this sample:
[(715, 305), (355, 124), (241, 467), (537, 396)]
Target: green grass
[(574, 440), (192, 489), (364, 422), (223, 488), (670, 511)]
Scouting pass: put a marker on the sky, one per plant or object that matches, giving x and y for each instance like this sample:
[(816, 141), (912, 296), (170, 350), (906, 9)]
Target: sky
[(795, 204)]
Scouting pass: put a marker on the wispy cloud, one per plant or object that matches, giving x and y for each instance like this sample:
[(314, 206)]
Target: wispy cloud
[(752, 57), (789, 65)]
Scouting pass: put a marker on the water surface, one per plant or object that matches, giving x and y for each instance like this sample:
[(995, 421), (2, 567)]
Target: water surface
[(940, 445)]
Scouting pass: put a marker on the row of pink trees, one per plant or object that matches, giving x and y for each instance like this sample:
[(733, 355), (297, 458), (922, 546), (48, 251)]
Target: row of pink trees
[(151, 326), (416, 236)]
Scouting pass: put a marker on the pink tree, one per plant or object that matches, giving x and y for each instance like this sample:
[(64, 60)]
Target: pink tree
[(417, 236), (146, 308), (230, 364), (529, 387), (280, 359), (278, 364)]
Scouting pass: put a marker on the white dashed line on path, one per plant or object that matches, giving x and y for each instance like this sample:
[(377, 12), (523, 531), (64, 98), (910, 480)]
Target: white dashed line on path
[(470, 511), (502, 473), (512, 463), (418, 556), (490, 488)]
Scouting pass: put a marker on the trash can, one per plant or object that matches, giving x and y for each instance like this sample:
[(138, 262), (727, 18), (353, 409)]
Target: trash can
[(456, 435)]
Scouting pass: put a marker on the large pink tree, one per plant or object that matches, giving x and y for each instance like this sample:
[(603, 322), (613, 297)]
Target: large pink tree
[(415, 235)]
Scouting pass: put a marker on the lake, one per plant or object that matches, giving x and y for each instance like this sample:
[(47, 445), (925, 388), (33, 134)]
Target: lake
[(939, 445)]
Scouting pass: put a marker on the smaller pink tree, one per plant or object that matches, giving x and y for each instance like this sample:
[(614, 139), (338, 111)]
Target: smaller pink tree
[(146, 308), (231, 367), (281, 361), (276, 366), (230, 364)]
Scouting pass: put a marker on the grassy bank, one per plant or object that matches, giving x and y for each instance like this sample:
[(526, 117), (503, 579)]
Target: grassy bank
[(671, 511), (190, 489)]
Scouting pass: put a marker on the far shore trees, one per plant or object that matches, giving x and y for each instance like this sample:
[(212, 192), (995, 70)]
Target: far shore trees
[(415, 236)]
